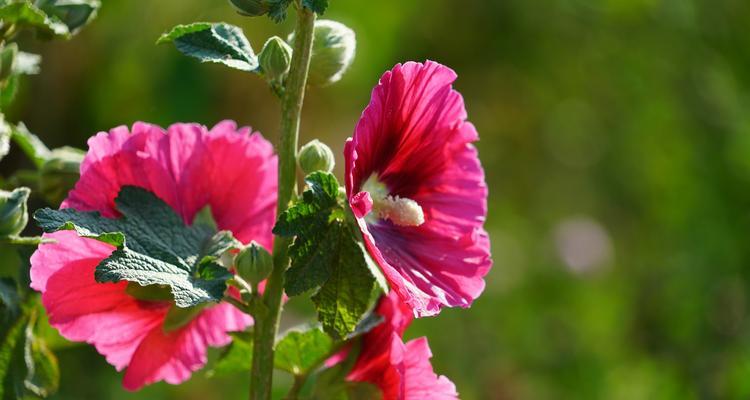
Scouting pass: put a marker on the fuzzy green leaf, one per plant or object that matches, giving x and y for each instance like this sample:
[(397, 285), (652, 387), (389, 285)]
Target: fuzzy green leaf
[(326, 253), (277, 9), (238, 357), (42, 371), (154, 246), (314, 249), (27, 14), (73, 13), (27, 367), (318, 6), (299, 351), (213, 42), (30, 144), (5, 132), (345, 297)]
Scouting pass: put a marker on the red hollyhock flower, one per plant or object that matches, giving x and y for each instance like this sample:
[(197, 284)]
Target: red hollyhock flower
[(401, 370), (188, 167), (417, 188)]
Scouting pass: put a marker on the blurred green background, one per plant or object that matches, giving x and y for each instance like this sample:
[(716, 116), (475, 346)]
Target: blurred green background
[(615, 136)]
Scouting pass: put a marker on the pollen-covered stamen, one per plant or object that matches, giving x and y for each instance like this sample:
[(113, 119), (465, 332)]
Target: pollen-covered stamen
[(401, 211)]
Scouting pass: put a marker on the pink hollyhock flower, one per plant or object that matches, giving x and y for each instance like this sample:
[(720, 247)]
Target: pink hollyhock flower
[(417, 188), (188, 167), (401, 370)]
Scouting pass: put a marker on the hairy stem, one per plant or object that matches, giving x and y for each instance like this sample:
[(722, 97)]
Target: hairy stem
[(299, 382), (267, 325)]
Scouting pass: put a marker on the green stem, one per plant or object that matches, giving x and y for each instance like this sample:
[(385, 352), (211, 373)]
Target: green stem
[(266, 327), (26, 240), (299, 382)]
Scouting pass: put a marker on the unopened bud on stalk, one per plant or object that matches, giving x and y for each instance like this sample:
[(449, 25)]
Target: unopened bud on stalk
[(275, 59), (333, 50), (60, 173), (250, 8), (316, 156), (13, 211), (253, 263)]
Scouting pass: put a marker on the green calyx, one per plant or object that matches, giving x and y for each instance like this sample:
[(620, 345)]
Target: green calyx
[(254, 263), (316, 156), (334, 45), (13, 211), (275, 59)]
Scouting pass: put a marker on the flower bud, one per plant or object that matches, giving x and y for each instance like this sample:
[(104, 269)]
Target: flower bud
[(316, 156), (333, 50), (250, 8), (275, 58), (59, 173), (13, 211), (7, 58), (253, 263)]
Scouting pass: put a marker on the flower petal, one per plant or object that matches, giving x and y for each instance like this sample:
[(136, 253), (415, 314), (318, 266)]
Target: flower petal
[(174, 356), (414, 137), (188, 167), (84, 310)]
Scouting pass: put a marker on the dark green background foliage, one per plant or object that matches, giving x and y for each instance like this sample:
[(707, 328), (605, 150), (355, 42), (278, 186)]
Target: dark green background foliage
[(616, 140)]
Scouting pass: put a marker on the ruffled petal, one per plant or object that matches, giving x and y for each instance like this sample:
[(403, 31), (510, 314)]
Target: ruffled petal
[(115, 160), (84, 310), (174, 356), (401, 371), (219, 176), (413, 136), (420, 382), (188, 167)]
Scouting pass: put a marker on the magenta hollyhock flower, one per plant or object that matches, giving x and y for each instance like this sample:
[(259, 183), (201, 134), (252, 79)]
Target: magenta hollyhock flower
[(417, 188), (402, 371), (188, 167)]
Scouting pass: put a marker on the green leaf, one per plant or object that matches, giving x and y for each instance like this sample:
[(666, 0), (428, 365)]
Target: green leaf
[(42, 371), (9, 304), (73, 13), (178, 317), (12, 372), (5, 132), (300, 351), (27, 367), (8, 90), (314, 250), (238, 357), (326, 253), (26, 14), (30, 144), (345, 297), (318, 6), (154, 246), (213, 42), (277, 9)]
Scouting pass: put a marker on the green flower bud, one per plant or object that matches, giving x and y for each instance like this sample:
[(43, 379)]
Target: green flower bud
[(13, 211), (8, 56), (59, 173), (333, 50), (250, 8), (275, 58), (253, 263), (316, 156)]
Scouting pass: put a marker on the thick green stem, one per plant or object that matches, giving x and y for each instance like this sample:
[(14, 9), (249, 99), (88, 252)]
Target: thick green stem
[(266, 326)]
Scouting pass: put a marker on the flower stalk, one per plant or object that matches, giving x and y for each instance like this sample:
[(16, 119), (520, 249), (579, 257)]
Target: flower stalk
[(266, 326)]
